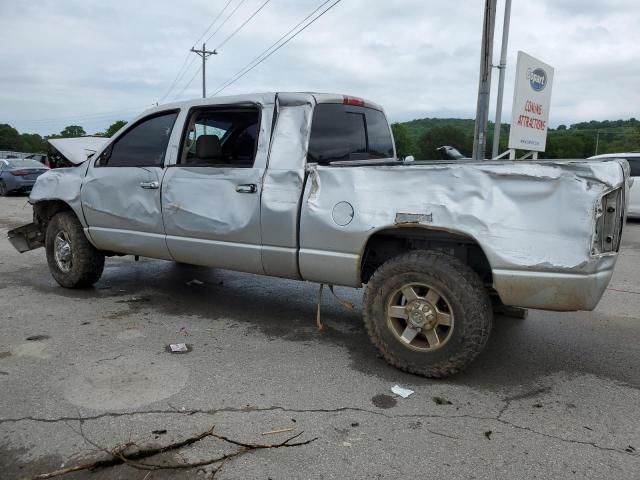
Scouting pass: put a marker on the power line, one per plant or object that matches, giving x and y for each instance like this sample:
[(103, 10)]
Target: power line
[(225, 20), (182, 70), (88, 123), (175, 80), (193, 60), (214, 21), (224, 41), (188, 83), (204, 54), (271, 50), (256, 61), (87, 117), (242, 26), (96, 117), (208, 38)]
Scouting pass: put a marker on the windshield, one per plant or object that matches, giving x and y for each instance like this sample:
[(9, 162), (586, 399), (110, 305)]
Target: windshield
[(25, 164)]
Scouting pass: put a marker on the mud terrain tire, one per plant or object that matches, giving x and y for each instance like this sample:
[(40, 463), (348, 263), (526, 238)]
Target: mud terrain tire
[(73, 261), (458, 297)]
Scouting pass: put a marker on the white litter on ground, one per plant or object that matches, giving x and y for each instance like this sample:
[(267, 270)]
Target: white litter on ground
[(403, 392), (178, 347)]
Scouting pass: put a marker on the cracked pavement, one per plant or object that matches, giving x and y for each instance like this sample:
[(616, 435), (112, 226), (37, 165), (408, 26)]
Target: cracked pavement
[(553, 396)]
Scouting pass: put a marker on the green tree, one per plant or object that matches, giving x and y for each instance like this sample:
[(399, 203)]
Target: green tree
[(575, 141), (404, 142), (71, 131), (33, 143), (115, 126), (439, 136), (9, 138), (565, 146)]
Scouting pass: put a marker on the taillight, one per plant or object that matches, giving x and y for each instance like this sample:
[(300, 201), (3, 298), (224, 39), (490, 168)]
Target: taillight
[(609, 222), (20, 173), (355, 101)]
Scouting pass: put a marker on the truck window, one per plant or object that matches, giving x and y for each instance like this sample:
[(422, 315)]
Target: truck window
[(345, 132), (634, 164), (144, 145), (221, 137)]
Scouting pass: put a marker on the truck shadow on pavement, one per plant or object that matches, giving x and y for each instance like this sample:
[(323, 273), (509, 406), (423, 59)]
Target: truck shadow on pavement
[(519, 351)]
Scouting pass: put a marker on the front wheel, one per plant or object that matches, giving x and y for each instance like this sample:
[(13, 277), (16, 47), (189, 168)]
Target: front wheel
[(73, 261), (3, 189), (428, 313)]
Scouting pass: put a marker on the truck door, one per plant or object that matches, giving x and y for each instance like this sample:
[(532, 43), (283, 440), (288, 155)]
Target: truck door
[(211, 197), (283, 185), (121, 191)]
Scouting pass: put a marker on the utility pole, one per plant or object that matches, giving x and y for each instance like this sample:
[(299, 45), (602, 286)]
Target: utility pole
[(204, 54), (502, 67), (484, 88)]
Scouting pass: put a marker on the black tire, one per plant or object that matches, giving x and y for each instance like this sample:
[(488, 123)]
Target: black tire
[(465, 297), (86, 263), (3, 189)]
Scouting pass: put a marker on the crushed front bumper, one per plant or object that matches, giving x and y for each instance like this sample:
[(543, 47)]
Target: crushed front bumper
[(25, 238)]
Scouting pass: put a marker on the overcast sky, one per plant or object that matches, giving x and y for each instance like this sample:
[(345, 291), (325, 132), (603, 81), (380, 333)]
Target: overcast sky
[(91, 62)]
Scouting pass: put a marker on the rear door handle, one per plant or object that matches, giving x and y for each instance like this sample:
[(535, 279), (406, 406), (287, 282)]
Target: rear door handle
[(150, 185), (247, 188)]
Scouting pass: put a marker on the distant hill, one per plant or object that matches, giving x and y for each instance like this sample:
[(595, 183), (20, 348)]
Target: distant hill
[(421, 137)]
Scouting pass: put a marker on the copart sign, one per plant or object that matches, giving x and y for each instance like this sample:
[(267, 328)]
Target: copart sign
[(531, 102)]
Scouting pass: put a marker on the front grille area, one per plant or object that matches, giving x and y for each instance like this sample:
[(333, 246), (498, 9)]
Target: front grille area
[(609, 220)]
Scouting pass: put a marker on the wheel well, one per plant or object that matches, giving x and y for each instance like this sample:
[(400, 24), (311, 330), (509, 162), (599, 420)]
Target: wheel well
[(391, 242), (44, 211)]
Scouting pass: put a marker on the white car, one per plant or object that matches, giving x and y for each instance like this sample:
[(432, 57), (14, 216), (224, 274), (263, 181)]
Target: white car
[(634, 193)]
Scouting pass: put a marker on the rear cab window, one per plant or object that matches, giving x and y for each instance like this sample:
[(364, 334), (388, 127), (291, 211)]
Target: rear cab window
[(634, 165), (341, 132)]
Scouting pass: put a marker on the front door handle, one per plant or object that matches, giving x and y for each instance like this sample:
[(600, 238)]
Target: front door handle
[(247, 188), (150, 185)]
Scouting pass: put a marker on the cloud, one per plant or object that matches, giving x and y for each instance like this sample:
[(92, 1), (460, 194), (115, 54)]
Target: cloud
[(73, 61)]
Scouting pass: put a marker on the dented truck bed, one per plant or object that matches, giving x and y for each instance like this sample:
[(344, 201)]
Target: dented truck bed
[(550, 230)]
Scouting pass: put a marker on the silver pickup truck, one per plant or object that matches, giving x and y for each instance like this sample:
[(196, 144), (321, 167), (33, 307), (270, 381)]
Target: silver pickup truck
[(308, 187)]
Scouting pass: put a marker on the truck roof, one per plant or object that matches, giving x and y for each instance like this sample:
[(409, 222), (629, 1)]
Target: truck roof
[(267, 98)]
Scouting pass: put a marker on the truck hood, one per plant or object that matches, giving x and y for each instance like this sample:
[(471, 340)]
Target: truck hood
[(77, 150)]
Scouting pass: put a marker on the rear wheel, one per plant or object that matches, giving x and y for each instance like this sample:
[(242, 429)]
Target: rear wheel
[(428, 313), (73, 261)]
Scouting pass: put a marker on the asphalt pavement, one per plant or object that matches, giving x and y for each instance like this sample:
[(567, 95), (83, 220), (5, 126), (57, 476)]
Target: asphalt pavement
[(83, 373)]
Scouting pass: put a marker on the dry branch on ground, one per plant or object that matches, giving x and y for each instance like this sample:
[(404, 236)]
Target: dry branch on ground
[(132, 454)]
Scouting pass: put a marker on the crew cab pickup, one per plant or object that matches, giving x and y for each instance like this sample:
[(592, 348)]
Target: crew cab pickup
[(307, 186)]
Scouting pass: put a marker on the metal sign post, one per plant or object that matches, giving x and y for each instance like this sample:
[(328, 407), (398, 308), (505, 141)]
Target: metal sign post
[(484, 87), (502, 68)]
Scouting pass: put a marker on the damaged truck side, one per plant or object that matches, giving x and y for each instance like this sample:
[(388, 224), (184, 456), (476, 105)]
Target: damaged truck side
[(308, 187)]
